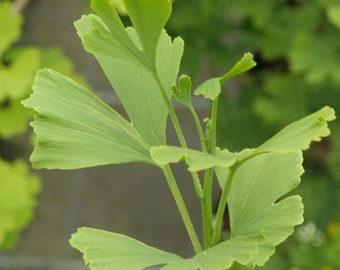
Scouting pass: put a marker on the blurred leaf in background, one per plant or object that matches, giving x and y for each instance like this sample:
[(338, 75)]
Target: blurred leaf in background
[(18, 65)]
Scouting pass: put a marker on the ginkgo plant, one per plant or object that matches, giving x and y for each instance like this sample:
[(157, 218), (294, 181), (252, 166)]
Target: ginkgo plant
[(75, 129)]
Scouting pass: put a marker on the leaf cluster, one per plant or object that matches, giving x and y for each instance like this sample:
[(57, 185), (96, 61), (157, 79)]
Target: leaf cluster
[(75, 129)]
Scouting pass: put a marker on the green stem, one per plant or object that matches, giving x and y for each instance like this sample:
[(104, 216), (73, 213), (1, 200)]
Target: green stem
[(213, 126), (206, 205), (182, 208), (222, 206), (180, 135), (172, 113), (207, 213), (170, 178), (199, 128)]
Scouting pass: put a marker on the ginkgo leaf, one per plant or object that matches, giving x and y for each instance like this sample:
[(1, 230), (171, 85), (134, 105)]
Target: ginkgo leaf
[(149, 18), (195, 160), (209, 89), (243, 250), (246, 63), (138, 80), (299, 134), (75, 129), (212, 88), (256, 200), (183, 93), (111, 251), (106, 33)]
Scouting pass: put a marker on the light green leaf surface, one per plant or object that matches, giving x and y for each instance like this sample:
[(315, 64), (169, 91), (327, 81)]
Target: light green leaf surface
[(246, 63), (110, 251), (137, 80), (183, 93), (195, 160), (75, 129), (256, 203), (209, 89), (300, 134), (10, 29), (149, 18), (106, 33), (212, 88), (243, 249)]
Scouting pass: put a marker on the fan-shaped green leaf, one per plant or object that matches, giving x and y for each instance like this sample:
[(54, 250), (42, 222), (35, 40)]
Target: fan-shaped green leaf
[(137, 80), (256, 203), (246, 63), (105, 251), (183, 93), (75, 129), (110, 251), (299, 134), (212, 88), (149, 18), (243, 250)]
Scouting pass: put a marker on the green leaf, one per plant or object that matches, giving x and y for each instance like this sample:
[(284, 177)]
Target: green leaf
[(212, 88), (106, 33), (195, 160), (300, 134), (243, 250), (246, 63), (137, 81), (256, 199), (18, 191), (11, 26), (209, 89), (183, 93), (75, 129), (105, 251), (149, 18)]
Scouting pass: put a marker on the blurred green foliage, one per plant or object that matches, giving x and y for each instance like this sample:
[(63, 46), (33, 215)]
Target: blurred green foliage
[(18, 187), (297, 48)]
